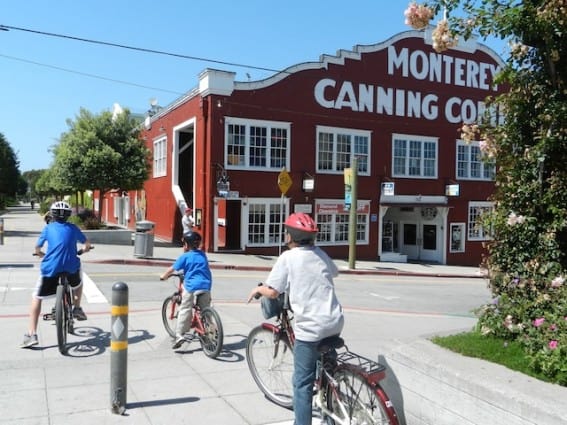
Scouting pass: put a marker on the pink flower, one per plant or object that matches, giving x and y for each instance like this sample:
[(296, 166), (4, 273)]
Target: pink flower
[(418, 16), (538, 322), (557, 282), (552, 345)]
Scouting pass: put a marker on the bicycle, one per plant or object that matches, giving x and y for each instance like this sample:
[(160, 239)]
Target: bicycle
[(205, 322), (347, 388), (62, 312)]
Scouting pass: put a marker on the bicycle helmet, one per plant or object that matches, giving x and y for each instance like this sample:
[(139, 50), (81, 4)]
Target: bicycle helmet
[(302, 228), (192, 239), (60, 211)]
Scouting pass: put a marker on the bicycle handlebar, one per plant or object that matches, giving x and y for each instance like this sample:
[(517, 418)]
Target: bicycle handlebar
[(79, 252)]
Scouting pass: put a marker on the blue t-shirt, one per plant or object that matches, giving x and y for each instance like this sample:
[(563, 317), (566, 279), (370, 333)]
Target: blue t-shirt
[(61, 254), (195, 266)]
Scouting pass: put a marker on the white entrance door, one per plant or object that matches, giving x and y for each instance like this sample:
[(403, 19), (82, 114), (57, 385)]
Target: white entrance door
[(421, 241)]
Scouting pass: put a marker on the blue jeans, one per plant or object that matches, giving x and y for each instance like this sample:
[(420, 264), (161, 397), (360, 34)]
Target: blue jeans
[(304, 368)]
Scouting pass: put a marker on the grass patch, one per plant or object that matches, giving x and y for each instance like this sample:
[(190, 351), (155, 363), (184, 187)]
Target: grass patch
[(506, 353)]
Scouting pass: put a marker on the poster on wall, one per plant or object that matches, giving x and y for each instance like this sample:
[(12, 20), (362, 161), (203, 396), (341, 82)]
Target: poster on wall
[(457, 237)]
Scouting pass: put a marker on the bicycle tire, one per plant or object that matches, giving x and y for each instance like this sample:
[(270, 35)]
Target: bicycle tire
[(364, 402), (61, 319), (212, 339), (169, 312), (270, 360)]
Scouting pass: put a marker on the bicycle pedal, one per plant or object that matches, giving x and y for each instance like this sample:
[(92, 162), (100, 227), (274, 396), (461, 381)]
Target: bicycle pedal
[(48, 316)]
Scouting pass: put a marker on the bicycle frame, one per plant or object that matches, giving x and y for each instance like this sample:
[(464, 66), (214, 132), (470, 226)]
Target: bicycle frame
[(196, 321)]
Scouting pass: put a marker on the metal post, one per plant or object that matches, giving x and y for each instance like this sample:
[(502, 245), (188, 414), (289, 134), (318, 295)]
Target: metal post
[(119, 347), (352, 216), (1, 231)]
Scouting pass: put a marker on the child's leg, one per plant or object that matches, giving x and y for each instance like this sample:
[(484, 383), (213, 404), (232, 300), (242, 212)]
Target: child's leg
[(185, 313)]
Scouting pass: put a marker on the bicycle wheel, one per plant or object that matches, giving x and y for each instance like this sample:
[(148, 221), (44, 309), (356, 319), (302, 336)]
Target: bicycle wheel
[(270, 360), (211, 340), (169, 312), (355, 399), (61, 319)]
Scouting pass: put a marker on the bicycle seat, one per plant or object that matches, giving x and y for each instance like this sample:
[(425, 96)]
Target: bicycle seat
[(199, 292), (330, 343)]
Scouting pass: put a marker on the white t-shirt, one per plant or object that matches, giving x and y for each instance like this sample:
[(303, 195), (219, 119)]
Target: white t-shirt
[(307, 273), (187, 222)]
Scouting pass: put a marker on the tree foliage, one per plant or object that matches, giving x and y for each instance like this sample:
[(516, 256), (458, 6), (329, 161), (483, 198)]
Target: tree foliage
[(527, 258), (101, 152), (10, 177)]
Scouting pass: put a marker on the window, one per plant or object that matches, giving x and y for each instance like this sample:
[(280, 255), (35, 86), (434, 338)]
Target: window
[(333, 219), (253, 144), (476, 230), (160, 157), (414, 156), (264, 222), (471, 163), (336, 147)]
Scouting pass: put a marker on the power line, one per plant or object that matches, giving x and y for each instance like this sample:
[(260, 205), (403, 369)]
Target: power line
[(139, 49), (90, 75)]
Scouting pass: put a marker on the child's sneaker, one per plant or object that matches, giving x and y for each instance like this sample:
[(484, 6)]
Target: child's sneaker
[(179, 340), (29, 341), (79, 314)]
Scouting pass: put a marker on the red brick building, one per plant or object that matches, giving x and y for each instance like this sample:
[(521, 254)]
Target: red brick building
[(396, 106)]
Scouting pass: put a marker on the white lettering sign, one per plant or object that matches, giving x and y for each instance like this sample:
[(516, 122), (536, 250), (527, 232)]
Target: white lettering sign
[(418, 65)]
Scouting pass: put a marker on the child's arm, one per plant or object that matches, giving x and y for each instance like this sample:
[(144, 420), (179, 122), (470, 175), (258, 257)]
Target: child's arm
[(167, 273)]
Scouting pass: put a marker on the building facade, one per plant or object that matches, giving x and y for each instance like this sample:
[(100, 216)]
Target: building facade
[(246, 154)]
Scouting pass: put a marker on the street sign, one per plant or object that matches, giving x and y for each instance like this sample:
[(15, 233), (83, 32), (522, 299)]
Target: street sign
[(284, 181)]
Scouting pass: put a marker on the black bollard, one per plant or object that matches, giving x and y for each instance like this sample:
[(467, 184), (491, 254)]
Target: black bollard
[(119, 347)]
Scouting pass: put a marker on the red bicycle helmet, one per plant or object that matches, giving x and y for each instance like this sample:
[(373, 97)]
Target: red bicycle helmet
[(301, 227)]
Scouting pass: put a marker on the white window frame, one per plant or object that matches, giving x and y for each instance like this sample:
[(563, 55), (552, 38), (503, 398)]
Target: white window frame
[(160, 157), (475, 231), (483, 162), (422, 159), (247, 163), (332, 227), (270, 238), (354, 135)]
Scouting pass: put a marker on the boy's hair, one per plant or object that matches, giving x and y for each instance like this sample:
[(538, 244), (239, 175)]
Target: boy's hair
[(192, 239)]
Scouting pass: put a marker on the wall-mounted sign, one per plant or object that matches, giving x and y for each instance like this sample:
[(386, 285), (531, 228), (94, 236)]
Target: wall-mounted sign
[(388, 188), (452, 190)]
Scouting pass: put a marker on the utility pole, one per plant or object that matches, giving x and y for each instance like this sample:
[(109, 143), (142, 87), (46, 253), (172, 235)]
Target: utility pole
[(352, 217)]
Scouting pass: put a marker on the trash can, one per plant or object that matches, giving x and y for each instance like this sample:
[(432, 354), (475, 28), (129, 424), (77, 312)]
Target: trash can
[(144, 239)]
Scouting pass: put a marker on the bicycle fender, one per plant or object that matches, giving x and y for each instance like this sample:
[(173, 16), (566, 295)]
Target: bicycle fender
[(271, 327)]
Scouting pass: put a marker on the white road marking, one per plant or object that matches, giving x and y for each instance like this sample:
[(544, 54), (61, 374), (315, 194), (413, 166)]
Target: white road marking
[(384, 297), (6, 289), (91, 292)]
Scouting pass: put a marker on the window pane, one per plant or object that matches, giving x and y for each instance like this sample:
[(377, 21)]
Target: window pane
[(343, 152), (278, 147), (258, 146), (325, 160)]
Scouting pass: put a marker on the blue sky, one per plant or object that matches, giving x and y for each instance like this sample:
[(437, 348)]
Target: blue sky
[(39, 94)]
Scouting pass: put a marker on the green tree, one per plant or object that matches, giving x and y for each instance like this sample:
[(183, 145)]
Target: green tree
[(10, 177), (527, 258), (31, 177), (101, 152)]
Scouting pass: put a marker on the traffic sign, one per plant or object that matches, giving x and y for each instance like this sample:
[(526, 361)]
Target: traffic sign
[(284, 181)]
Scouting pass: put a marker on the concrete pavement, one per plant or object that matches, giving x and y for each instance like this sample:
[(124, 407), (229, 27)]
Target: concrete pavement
[(40, 386)]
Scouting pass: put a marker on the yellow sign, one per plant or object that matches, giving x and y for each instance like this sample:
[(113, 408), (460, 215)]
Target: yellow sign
[(284, 181)]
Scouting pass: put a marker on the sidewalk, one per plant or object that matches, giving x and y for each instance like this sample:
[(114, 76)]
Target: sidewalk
[(27, 225)]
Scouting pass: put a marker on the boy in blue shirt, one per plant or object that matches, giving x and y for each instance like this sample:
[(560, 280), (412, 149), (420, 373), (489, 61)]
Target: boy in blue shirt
[(197, 277), (61, 256)]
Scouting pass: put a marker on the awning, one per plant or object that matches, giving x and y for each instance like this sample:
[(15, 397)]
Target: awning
[(408, 200)]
